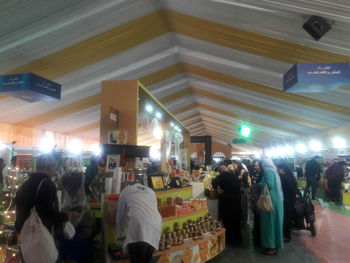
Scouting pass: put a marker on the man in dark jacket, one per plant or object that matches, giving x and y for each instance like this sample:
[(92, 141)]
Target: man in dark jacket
[(312, 173), (46, 201), (335, 175)]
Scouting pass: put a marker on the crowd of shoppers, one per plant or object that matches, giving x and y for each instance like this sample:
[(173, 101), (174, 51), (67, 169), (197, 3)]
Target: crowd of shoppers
[(238, 184)]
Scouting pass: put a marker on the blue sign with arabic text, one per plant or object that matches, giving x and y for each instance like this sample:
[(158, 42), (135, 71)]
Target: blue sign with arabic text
[(309, 77), (30, 87)]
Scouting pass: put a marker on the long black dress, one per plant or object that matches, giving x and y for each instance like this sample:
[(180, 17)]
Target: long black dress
[(230, 211), (289, 187)]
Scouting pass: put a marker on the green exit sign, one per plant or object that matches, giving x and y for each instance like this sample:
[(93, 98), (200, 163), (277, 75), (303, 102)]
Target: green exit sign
[(237, 141)]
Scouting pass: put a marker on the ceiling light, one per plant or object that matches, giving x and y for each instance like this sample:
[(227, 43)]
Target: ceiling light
[(75, 146), (158, 133), (301, 148), (96, 149), (159, 115), (315, 146), (149, 108), (338, 143), (47, 144)]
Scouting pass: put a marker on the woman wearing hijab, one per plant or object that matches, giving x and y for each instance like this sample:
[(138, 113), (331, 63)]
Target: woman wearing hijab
[(271, 223), (230, 212), (289, 187), (256, 175), (241, 172)]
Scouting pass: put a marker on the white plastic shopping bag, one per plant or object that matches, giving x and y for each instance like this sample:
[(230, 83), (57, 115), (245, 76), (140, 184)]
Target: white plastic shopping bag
[(68, 230), (37, 244)]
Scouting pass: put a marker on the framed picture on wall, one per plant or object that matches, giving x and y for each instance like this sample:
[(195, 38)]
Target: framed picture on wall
[(112, 162), (117, 137)]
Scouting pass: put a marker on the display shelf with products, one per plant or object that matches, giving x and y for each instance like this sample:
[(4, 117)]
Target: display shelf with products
[(195, 235), (201, 250), (185, 193)]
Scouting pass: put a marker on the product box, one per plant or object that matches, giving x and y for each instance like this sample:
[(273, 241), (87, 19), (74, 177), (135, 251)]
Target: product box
[(30, 87)]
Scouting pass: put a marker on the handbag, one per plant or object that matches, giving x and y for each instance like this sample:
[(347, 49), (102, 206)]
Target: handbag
[(264, 203), (37, 244)]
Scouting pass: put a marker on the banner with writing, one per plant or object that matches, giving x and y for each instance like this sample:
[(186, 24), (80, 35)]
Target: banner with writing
[(30, 87), (309, 77)]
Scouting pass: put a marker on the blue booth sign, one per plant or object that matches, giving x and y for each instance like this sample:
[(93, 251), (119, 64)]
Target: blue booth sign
[(309, 77), (30, 87)]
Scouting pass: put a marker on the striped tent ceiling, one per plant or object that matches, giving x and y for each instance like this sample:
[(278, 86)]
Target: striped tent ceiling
[(214, 64)]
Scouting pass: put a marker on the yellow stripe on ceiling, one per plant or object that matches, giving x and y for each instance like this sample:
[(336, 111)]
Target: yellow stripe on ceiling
[(193, 123), (184, 109), (176, 95), (258, 88), (222, 135), (62, 111), (268, 138), (246, 41), (99, 47), (242, 118), (189, 117), (256, 131), (85, 128), (235, 133), (162, 74), (264, 111)]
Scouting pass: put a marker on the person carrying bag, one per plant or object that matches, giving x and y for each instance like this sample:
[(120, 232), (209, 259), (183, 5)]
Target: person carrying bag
[(264, 203), (37, 244)]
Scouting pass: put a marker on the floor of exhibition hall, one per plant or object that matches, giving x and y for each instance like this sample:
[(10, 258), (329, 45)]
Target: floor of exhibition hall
[(329, 246)]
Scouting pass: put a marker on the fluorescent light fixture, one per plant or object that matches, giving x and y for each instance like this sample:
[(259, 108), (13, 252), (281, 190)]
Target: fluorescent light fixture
[(75, 146), (338, 143), (149, 108), (172, 124), (47, 144), (315, 146), (301, 148), (159, 115), (96, 149)]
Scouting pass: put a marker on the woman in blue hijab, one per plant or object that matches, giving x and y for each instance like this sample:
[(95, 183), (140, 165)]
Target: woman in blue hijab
[(271, 223)]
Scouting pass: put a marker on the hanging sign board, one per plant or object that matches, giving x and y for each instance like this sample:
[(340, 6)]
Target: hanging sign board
[(309, 77), (30, 87)]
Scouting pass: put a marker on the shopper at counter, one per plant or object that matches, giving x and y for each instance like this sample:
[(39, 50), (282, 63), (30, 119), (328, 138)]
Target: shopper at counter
[(313, 175), (241, 171), (230, 212), (334, 175), (138, 205)]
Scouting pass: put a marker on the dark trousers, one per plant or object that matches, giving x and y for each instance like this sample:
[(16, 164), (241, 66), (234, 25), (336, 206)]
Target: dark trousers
[(140, 252), (335, 195), (256, 229), (287, 218), (313, 183), (231, 216)]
